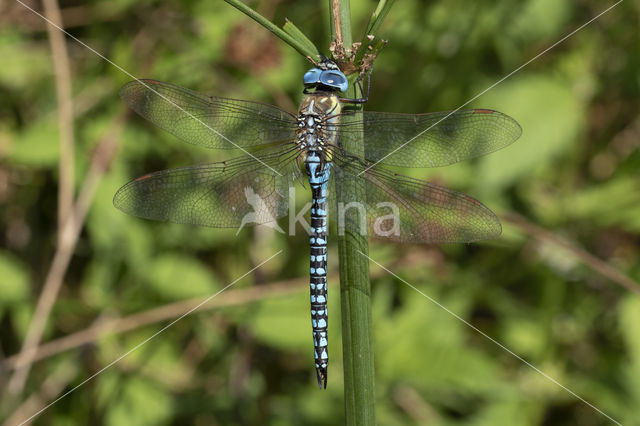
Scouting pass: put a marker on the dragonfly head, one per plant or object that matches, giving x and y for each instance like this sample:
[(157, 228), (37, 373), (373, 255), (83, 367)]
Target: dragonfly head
[(326, 76)]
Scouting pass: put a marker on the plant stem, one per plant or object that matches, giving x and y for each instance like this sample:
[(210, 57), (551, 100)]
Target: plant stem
[(355, 292), (378, 16)]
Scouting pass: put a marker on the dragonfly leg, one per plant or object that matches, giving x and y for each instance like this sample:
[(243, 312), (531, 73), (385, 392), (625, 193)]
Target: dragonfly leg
[(358, 82)]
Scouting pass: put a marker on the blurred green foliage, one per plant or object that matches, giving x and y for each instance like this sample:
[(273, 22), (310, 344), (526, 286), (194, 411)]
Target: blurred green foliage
[(574, 172)]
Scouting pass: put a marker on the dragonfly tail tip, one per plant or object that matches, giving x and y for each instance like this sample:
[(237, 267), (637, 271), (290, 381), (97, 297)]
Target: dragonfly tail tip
[(321, 374)]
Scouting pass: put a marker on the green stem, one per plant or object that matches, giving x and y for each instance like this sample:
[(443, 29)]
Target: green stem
[(378, 16), (355, 291), (304, 49)]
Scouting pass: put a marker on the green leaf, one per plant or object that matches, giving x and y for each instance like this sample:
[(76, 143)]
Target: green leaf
[(377, 17), (424, 345), (621, 209), (177, 277), (126, 237), (139, 403), (539, 19), (273, 316), (15, 280), (551, 118), (525, 336), (298, 35), (164, 361), (29, 62), (629, 315), (37, 145)]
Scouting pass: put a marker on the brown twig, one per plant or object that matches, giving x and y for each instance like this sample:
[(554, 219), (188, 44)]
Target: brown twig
[(170, 311), (413, 404), (593, 262), (62, 73), (154, 315), (66, 245), (53, 386), (74, 16), (337, 17)]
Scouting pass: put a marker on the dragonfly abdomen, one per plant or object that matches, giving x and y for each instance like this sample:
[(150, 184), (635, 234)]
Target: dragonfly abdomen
[(318, 172)]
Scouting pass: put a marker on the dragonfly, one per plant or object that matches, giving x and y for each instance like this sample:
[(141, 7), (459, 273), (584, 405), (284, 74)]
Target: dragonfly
[(327, 145)]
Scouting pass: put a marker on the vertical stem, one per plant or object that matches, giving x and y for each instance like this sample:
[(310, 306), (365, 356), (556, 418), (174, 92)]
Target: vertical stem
[(355, 292), (357, 336), (62, 72)]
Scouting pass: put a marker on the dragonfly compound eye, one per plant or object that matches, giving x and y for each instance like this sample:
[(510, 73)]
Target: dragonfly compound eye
[(334, 79), (312, 77)]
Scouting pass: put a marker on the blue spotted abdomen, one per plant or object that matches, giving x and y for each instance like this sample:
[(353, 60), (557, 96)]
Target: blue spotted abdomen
[(318, 173)]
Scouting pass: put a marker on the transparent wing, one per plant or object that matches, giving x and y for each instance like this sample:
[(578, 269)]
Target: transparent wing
[(208, 121), (223, 195), (430, 140), (404, 209)]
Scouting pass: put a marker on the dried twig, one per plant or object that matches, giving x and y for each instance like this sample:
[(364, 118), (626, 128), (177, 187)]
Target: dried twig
[(107, 327), (62, 72), (67, 242), (593, 262), (53, 386), (173, 310)]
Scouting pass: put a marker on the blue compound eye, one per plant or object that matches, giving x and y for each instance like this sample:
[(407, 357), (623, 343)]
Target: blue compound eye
[(335, 79), (312, 77)]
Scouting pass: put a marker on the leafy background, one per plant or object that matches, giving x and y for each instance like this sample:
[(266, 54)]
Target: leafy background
[(559, 288)]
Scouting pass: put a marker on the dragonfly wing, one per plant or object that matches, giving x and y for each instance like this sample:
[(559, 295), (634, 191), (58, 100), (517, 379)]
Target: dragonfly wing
[(222, 195), (208, 121), (433, 139), (403, 209)]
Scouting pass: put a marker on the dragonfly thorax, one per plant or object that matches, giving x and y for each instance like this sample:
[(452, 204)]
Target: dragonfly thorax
[(318, 115)]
